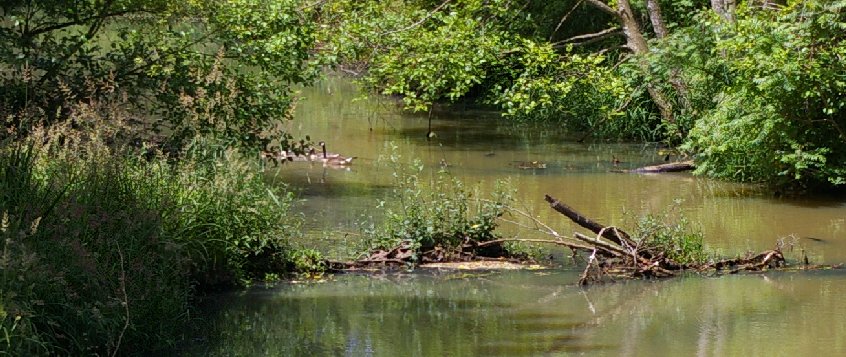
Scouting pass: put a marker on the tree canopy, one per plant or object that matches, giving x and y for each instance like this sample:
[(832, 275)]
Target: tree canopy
[(753, 89), (220, 67)]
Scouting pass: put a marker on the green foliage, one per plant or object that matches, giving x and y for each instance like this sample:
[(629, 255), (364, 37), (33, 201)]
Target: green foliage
[(768, 93), (232, 60), (757, 99), (674, 235), (237, 225), (441, 213), (86, 267), (103, 252), (421, 51), (574, 88), (307, 261)]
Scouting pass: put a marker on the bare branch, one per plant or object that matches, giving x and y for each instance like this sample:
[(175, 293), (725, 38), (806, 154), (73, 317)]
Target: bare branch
[(571, 245), (567, 15), (590, 38), (604, 7)]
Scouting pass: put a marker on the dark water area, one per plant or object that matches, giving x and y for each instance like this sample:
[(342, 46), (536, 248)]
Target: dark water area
[(532, 313)]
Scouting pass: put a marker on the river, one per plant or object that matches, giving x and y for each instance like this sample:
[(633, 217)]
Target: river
[(532, 312)]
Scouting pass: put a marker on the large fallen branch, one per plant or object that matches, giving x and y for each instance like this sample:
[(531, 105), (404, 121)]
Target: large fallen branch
[(612, 233), (623, 257), (662, 168)]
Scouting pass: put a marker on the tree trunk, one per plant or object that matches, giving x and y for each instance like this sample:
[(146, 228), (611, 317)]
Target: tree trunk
[(656, 18), (725, 8), (637, 44)]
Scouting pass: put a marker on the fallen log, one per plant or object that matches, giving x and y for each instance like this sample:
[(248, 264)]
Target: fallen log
[(662, 168), (611, 233), (622, 256)]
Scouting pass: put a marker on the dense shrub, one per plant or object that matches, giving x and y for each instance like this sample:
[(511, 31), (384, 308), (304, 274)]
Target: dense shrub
[(766, 93), (104, 252), (438, 213)]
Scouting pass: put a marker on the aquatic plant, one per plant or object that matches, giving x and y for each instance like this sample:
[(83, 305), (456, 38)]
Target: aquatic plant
[(674, 235), (441, 214)]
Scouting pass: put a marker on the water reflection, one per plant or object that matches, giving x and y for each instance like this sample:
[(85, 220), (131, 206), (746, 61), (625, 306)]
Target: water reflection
[(532, 314)]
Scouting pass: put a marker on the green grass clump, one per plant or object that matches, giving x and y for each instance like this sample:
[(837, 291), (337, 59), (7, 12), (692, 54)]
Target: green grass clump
[(442, 212), (675, 236)]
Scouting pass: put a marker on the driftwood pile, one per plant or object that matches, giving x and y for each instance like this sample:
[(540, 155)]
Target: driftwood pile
[(611, 253), (404, 255)]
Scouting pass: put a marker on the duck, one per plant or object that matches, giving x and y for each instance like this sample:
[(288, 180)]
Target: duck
[(330, 159)]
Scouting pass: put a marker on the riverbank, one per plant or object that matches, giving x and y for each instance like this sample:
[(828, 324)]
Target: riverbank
[(105, 252)]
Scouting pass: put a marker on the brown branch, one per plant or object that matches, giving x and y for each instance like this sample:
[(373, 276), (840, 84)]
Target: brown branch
[(590, 38), (571, 245), (612, 250), (567, 15), (604, 7), (616, 236), (58, 26)]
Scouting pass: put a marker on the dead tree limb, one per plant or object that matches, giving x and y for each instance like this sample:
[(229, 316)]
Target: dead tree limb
[(615, 235), (589, 38)]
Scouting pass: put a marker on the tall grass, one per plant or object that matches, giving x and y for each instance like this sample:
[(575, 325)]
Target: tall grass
[(103, 251)]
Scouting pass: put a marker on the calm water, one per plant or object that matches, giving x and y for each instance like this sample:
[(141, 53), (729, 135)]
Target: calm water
[(533, 313)]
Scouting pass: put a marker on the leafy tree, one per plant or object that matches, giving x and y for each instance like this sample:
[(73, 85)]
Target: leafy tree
[(234, 61), (777, 112)]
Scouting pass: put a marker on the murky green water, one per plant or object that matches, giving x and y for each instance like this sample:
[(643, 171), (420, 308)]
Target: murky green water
[(534, 313)]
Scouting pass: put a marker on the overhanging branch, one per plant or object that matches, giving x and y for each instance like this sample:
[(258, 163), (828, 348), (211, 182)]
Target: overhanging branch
[(589, 38), (604, 7), (563, 19)]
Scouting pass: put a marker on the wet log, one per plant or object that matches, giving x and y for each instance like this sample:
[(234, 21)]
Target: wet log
[(663, 168), (611, 233)]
